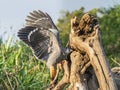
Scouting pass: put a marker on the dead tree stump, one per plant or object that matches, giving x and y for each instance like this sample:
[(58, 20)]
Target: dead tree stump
[(87, 33), (88, 68)]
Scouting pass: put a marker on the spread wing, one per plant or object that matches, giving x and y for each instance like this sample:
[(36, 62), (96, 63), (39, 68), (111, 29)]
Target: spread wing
[(41, 35), (40, 19)]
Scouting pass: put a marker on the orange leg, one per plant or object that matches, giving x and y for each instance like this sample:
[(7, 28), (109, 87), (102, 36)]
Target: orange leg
[(52, 73), (55, 71)]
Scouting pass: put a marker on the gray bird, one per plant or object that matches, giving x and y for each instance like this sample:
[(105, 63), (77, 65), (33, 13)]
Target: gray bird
[(42, 36)]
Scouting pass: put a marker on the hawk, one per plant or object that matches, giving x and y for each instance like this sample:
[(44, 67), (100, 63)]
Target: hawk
[(42, 36)]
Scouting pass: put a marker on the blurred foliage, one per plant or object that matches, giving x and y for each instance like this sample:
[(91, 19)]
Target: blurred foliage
[(109, 20), (19, 70), (110, 26)]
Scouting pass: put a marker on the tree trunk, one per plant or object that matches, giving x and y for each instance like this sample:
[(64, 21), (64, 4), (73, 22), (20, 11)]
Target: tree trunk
[(88, 68)]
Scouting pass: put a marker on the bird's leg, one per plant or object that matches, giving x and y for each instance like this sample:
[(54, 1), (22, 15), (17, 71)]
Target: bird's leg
[(54, 72), (54, 76), (59, 67)]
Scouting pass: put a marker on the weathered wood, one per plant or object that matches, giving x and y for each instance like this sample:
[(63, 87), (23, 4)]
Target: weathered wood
[(88, 68), (88, 40), (72, 72), (77, 80)]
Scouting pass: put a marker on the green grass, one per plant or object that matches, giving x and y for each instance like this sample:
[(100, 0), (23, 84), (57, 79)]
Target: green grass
[(19, 70)]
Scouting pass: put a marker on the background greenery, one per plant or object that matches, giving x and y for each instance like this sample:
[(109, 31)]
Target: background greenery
[(19, 70)]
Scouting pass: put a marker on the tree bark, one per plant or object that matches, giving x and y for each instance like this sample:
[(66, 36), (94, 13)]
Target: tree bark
[(88, 68), (88, 36)]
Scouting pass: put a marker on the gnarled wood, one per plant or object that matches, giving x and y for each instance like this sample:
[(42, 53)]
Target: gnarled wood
[(77, 79), (88, 68), (88, 36)]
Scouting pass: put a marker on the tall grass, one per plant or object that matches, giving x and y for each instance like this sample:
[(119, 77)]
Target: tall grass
[(19, 70)]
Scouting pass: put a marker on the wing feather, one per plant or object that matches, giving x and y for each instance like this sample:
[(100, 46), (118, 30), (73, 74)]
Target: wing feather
[(41, 35), (31, 18), (39, 13), (39, 40), (40, 19)]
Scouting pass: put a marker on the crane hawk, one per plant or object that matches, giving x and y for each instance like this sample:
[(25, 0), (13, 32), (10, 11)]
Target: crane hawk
[(42, 36)]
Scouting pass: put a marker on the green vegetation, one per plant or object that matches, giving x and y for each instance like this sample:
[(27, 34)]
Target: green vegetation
[(19, 70)]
